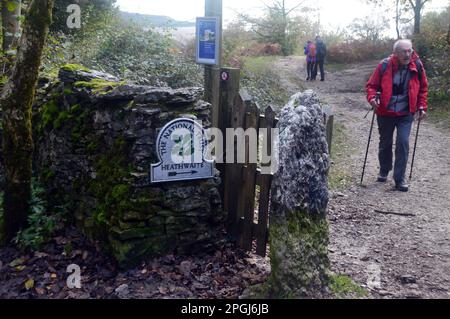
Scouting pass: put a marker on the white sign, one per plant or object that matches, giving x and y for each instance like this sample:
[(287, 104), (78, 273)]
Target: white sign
[(181, 147), (207, 40)]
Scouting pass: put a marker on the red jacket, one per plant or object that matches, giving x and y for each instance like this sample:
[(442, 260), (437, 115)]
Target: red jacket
[(382, 82)]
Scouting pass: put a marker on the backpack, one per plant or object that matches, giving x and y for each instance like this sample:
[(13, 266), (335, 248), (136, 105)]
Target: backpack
[(321, 50), (312, 50), (419, 67)]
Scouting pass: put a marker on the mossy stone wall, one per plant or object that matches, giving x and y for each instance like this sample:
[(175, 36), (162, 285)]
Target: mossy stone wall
[(95, 140)]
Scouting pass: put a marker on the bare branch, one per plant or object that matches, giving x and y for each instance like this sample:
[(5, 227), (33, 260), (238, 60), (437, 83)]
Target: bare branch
[(298, 5)]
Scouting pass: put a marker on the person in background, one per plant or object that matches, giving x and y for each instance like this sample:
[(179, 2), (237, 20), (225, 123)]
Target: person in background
[(310, 52), (321, 53)]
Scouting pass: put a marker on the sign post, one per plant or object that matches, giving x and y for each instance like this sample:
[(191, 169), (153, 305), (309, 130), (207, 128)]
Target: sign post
[(208, 41), (213, 8)]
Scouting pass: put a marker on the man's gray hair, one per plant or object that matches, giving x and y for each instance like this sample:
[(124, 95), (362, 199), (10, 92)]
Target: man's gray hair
[(402, 41)]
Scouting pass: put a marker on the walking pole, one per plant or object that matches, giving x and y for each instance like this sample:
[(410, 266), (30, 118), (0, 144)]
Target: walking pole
[(415, 146), (368, 144)]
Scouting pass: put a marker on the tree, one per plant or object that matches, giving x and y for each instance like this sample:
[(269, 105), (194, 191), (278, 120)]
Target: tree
[(368, 28), (16, 102), (416, 6), (276, 26)]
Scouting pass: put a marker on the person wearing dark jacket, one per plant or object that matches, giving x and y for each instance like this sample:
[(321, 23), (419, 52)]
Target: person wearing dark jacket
[(321, 53), (397, 90)]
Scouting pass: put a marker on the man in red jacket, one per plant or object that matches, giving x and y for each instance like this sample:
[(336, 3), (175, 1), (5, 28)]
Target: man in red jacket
[(397, 90)]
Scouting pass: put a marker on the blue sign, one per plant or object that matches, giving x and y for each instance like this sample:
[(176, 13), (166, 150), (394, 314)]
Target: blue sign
[(208, 36)]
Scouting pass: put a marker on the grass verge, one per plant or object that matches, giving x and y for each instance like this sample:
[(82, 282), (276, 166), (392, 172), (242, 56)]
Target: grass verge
[(339, 176), (343, 286)]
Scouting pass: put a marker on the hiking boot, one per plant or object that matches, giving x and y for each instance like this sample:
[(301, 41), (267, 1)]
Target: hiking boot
[(308, 78), (322, 80), (382, 177), (401, 186)]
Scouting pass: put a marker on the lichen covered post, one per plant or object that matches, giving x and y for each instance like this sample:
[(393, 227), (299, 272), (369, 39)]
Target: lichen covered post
[(298, 224)]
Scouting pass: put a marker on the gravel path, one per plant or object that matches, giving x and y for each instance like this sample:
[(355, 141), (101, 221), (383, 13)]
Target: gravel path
[(401, 255)]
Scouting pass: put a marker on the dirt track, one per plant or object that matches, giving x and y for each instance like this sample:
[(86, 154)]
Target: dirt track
[(400, 255)]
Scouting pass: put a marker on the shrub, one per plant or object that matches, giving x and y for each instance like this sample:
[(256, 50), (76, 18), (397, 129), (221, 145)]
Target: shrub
[(433, 47), (359, 51), (42, 222)]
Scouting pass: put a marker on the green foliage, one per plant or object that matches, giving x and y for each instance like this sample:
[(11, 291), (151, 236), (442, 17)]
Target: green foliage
[(433, 46), (92, 12), (11, 5), (263, 84), (144, 57), (41, 222)]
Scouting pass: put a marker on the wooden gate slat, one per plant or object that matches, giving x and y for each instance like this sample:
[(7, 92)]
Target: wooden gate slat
[(247, 195)]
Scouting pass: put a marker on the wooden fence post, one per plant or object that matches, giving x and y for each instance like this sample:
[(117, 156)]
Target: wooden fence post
[(213, 8), (264, 181), (233, 169), (229, 91), (329, 122)]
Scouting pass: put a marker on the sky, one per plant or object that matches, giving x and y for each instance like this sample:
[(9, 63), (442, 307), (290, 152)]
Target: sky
[(333, 13)]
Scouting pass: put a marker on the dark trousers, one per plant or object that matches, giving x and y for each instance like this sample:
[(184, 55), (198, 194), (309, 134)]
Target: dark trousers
[(310, 69), (386, 127), (319, 64)]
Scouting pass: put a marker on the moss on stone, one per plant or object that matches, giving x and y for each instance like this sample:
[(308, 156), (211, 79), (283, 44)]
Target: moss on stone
[(70, 67), (62, 117), (98, 85), (49, 112), (109, 187), (67, 91), (298, 254)]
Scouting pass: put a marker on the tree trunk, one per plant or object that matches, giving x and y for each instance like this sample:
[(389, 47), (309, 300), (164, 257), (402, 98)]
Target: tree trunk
[(397, 18), (17, 99), (10, 23), (417, 15), (416, 21)]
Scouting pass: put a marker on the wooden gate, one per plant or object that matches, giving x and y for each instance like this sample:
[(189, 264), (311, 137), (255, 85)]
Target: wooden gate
[(245, 190)]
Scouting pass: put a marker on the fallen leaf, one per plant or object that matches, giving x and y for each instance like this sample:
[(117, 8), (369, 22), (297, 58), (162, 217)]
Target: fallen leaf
[(29, 284), (163, 290), (16, 262), (85, 255), (40, 255), (40, 291), (199, 286), (20, 268)]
